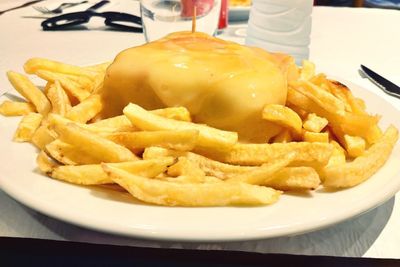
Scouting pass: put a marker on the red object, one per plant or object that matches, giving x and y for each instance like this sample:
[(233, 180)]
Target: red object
[(202, 7), (223, 15)]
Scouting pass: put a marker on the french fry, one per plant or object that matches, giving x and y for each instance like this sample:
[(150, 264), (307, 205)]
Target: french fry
[(45, 163), (13, 108), (208, 137), (35, 64), (307, 70), (294, 179), (306, 153), (315, 123), (283, 116), (315, 137), (263, 174), (71, 87), (102, 67), (59, 100), (324, 99), (27, 89), (183, 140), (283, 137), (175, 113), (27, 127), (188, 171), (354, 145), (338, 155), (363, 167), (86, 110), (69, 154), (117, 122), (43, 136), (181, 194), (93, 144), (94, 175)]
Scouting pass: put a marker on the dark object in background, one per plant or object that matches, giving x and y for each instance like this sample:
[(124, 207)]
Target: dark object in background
[(353, 3)]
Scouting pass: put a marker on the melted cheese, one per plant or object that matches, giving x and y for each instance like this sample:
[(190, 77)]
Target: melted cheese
[(222, 84)]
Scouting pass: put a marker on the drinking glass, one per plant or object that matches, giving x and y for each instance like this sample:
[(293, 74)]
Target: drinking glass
[(161, 17)]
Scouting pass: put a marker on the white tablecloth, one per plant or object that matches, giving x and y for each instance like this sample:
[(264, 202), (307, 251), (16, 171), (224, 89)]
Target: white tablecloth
[(342, 39)]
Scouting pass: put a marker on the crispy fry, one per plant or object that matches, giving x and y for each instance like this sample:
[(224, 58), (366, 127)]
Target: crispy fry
[(184, 140), (208, 137), (257, 154), (59, 100), (283, 137), (315, 123), (283, 116), (86, 110), (45, 163), (203, 194), (93, 144), (71, 87), (175, 113), (315, 137), (94, 174), (102, 67), (69, 154), (307, 70), (294, 179), (355, 145), (117, 122), (188, 171), (43, 136), (363, 167), (13, 108), (263, 174), (27, 89), (27, 127), (35, 64)]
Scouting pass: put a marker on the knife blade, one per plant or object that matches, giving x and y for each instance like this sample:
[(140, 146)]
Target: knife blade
[(383, 83), (21, 6)]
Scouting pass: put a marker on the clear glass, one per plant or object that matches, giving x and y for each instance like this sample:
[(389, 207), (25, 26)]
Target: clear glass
[(161, 17), (281, 26)]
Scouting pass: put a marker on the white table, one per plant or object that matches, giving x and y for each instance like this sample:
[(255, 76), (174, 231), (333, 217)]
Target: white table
[(342, 39)]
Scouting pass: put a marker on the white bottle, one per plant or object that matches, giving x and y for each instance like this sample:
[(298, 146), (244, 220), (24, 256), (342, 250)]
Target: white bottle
[(281, 26)]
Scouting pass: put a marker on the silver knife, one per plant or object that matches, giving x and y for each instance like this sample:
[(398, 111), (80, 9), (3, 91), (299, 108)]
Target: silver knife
[(383, 83)]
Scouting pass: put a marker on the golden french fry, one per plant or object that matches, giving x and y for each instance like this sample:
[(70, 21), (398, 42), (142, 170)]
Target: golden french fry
[(117, 122), (263, 174), (210, 167), (102, 67), (94, 175), (59, 100), (283, 137), (315, 137), (93, 144), (35, 64), (45, 163), (314, 123), (321, 97), (191, 194), (13, 108), (27, 89), (294, 179), (208, 137), (27, 127), (257, 154), (187, 171), (355, 145), (55, 119), (69, 154), (175, 113), (363, 167), (183, 140), (86, 110), (43, 136), (338, 155), (72, 87), (307, 70), (282, 116)]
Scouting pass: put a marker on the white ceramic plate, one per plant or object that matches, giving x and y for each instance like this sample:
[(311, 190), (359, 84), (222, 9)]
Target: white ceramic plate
[(239, 13), (118, 213)]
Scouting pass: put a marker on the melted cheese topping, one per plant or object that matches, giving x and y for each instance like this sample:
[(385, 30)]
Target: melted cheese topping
[(222, 84)]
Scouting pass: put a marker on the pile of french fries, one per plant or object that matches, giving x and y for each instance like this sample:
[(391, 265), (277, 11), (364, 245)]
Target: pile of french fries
[(161, 157)]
